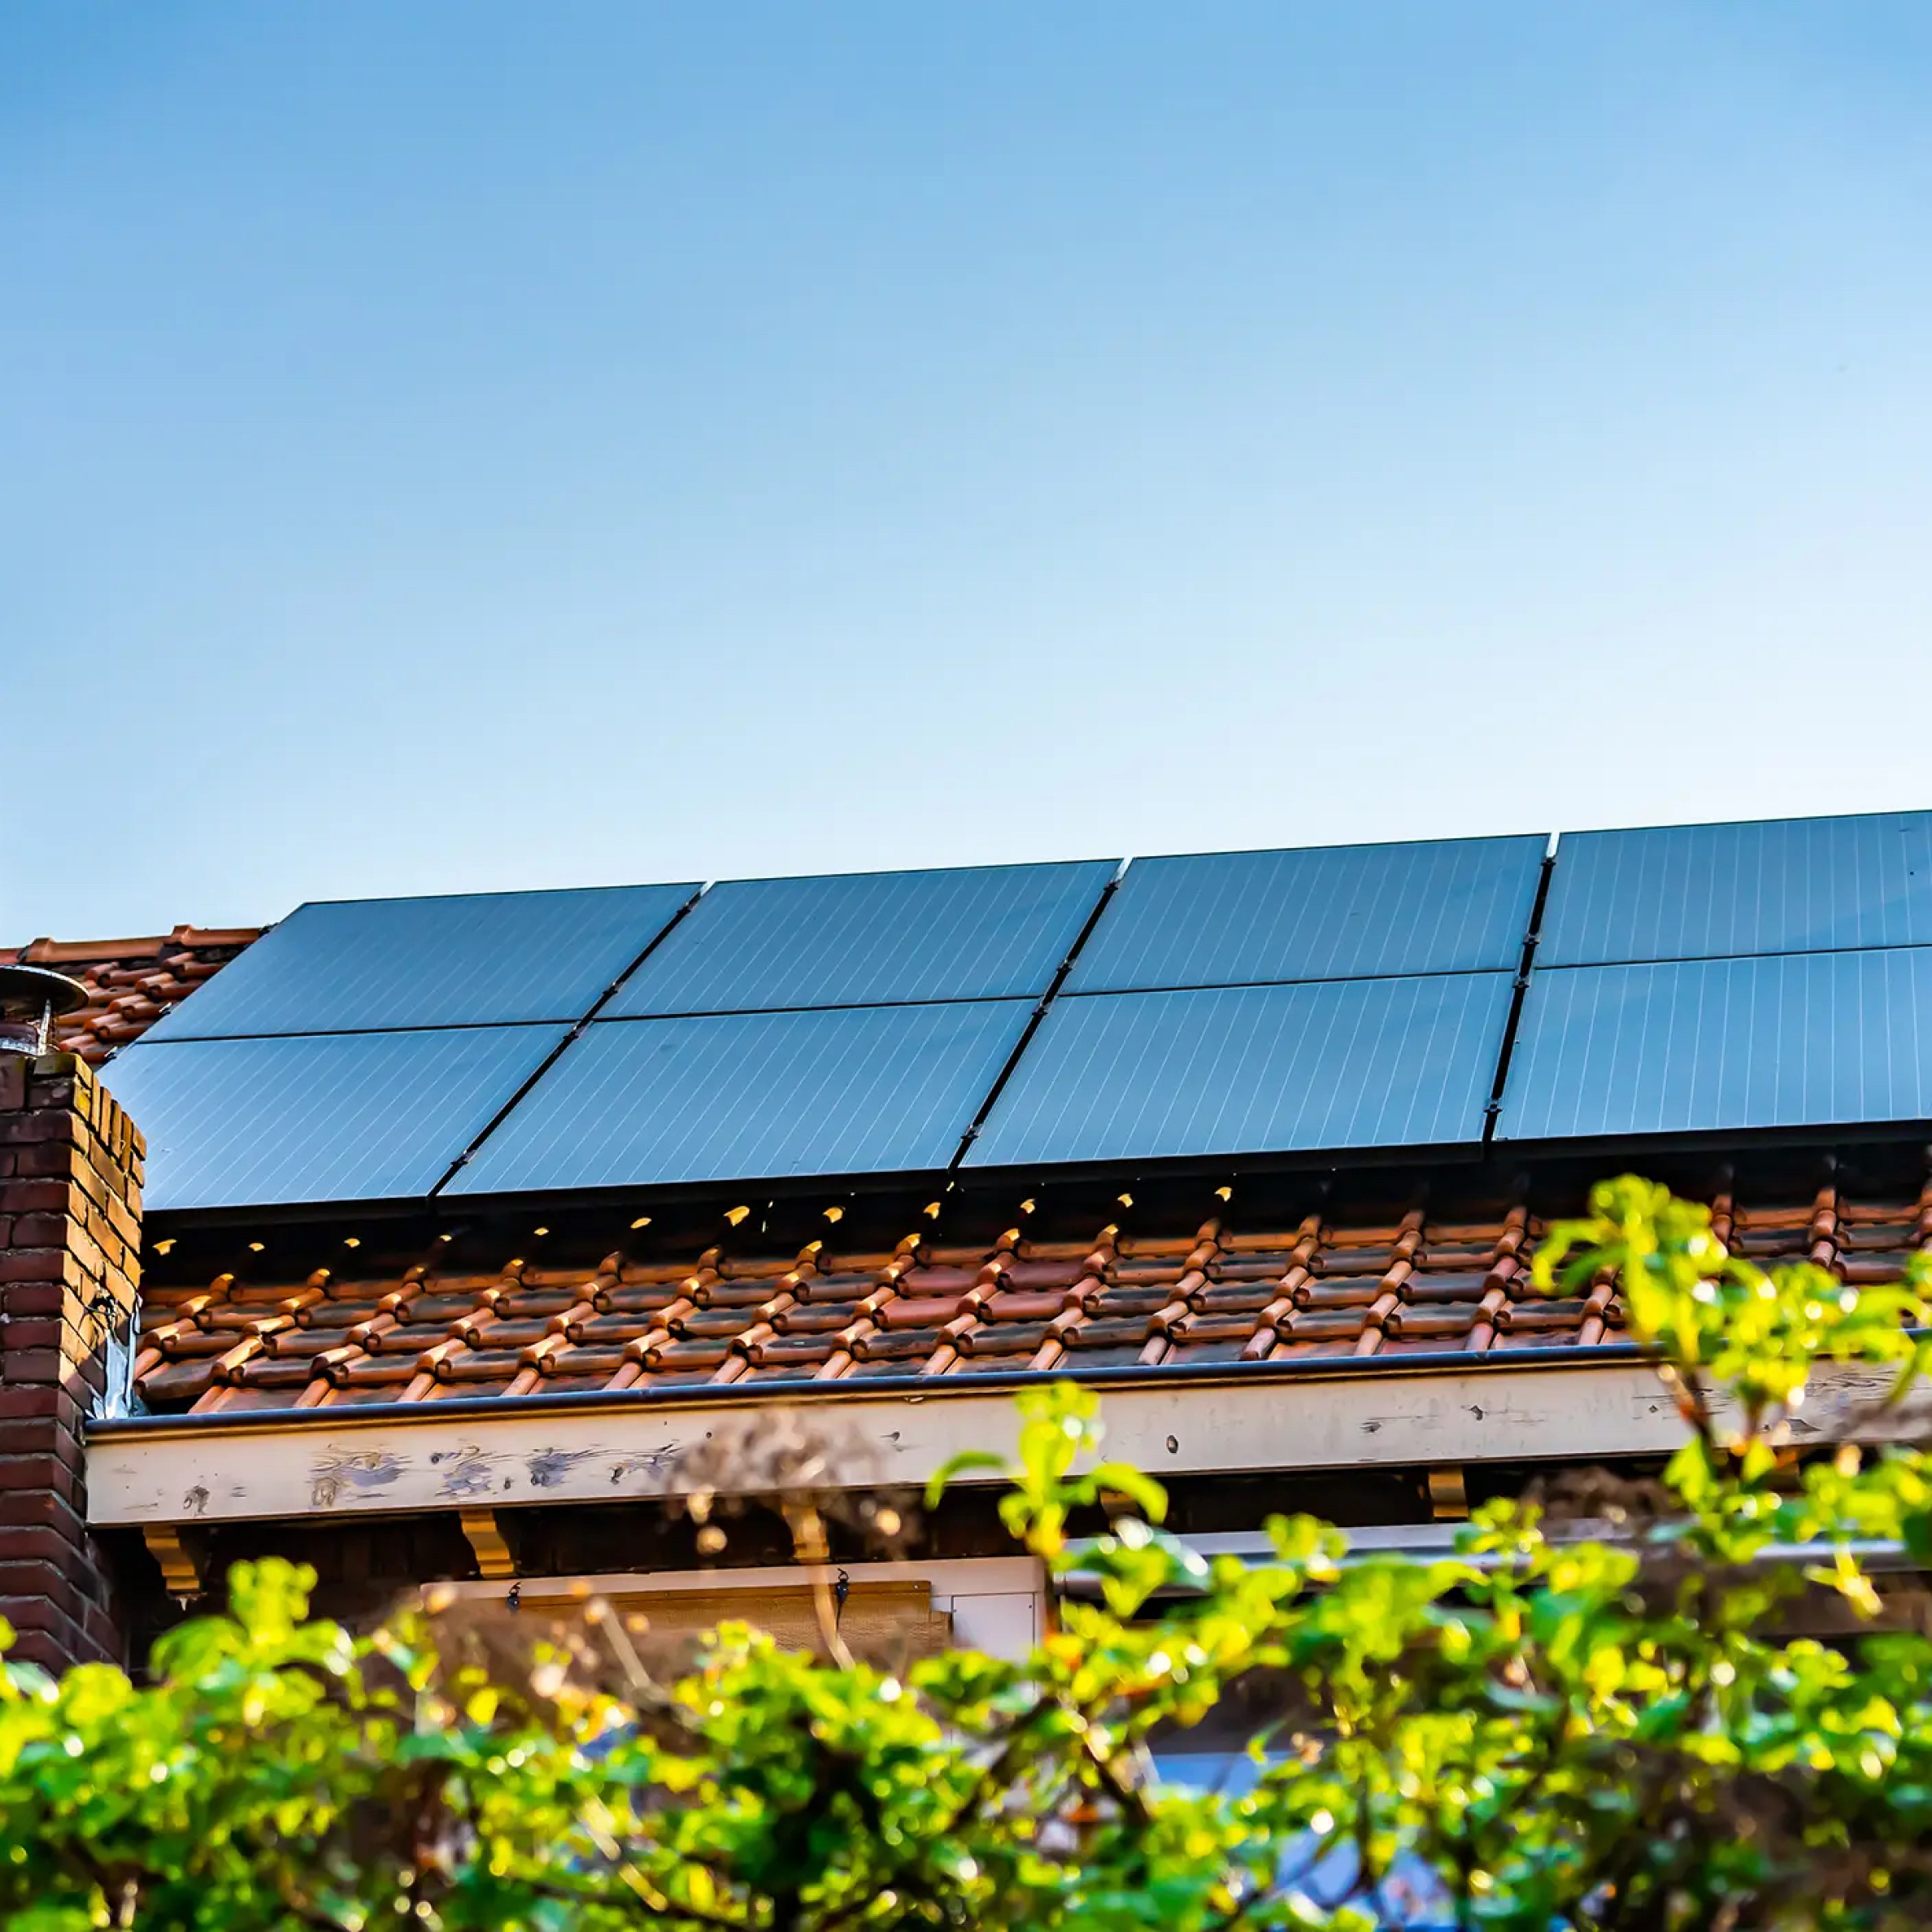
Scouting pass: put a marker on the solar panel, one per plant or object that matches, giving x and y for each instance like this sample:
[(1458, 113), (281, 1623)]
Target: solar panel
[(869, 939), (344, 965), (1698, 892), (1225, 918), (752, 1096), (1797, 1039), (331, 1117), (1341, 1063)]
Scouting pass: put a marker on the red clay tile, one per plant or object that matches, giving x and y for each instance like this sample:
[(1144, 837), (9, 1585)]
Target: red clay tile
[(1300, 1293), (130, 983)]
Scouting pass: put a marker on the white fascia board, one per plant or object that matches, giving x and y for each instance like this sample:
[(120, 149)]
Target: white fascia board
[(333, 1465)]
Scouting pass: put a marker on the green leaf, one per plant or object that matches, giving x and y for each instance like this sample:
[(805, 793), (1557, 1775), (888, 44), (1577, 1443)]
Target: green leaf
[(1539, 1733), (963, 1464)]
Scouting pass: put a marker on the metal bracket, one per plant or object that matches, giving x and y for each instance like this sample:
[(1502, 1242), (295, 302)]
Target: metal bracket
[(1448, 1496)]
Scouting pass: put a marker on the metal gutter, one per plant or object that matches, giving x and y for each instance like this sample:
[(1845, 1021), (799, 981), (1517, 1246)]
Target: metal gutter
[(913, 1388)]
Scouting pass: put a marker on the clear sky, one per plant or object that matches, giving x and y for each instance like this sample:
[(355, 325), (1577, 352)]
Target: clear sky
[(471, 445)]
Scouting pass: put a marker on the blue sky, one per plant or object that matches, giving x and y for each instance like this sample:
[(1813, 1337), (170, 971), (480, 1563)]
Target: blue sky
[(463, 447)]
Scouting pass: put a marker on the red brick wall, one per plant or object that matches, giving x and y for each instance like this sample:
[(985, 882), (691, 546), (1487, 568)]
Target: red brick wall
[(70, 1242)]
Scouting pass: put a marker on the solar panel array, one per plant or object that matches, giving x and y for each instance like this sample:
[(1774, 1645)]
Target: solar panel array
[(1338, 912), (1686, 979), (1708, 978), (357, 1050), (1723, 892), (472, 960), (843, 1025), (626, 1036), (1242, 1002), (366, 1116), (989, 932), (1362, 1063), (719, 1097), (1686, 1046)]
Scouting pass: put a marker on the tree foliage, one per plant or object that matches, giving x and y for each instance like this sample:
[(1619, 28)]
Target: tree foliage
[(1545, 1730)]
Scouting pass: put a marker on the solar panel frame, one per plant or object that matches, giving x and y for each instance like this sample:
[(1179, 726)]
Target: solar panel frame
[(695, 1098), (1743, 889), (1678, 1046), (1308, 913), (464, 959), (294, 1119), (1197, 1072), (869, 939)]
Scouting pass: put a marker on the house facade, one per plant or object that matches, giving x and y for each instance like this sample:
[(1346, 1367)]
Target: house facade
[(665, 1241)]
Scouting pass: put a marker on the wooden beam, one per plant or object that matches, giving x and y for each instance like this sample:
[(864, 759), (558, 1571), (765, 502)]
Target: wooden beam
[(180, 1573), (995, 1603), (328, 1465)]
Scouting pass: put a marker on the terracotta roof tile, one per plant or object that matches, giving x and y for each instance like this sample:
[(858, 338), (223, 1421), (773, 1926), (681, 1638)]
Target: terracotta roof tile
[(130, 983), (1162, 1298)]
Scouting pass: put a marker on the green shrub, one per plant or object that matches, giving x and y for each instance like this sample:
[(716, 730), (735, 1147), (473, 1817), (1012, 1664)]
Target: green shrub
[(1537, 1732)]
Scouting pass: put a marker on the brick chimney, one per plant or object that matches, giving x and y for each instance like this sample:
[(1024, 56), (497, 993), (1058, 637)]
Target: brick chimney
[(70, 1245)]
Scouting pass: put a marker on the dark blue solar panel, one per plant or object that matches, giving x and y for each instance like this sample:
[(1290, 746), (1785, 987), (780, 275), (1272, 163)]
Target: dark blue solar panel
[(752, 1096), (341, 966), (327, 1117), (1700, 892), (1800, 1039), (1225, 918), (1373, 1063), (869, 939)]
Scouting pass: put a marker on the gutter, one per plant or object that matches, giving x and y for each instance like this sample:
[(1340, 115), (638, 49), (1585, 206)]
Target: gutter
[(905, 1388)]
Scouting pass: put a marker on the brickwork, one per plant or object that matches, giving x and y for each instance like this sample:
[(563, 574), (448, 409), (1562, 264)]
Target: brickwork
[(70, 1243)]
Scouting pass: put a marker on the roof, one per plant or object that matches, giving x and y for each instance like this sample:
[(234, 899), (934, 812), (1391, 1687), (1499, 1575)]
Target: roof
[(130, 983), (1163, 1296)]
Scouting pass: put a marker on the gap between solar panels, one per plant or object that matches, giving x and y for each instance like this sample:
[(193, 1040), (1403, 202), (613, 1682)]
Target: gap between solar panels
[(1039, 1013), (550, 1060), (1493, 1109)]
